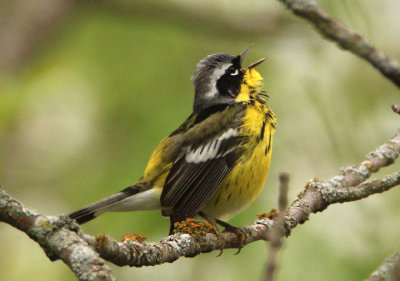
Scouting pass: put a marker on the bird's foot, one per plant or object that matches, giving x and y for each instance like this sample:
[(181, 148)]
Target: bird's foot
[(239, 231), (227, 228)]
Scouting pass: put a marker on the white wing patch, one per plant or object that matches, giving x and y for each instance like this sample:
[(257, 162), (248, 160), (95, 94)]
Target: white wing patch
[(209, 150)]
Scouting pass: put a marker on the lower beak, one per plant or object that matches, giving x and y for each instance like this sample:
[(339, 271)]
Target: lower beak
[(256, 63)]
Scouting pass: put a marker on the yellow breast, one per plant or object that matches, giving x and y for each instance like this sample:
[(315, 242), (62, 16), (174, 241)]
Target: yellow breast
[(247, 178)]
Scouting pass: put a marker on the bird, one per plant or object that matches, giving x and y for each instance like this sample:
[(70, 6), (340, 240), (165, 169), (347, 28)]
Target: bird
[(217, 161)]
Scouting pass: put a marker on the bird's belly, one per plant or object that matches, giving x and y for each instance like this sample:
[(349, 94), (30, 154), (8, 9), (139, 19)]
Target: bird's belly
[(242, 185)]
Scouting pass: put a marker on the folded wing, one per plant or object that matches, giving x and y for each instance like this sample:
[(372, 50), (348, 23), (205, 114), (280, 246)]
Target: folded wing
[(199, 171)]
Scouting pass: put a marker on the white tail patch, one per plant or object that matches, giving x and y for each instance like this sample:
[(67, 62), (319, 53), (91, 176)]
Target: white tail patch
[(145, 200)]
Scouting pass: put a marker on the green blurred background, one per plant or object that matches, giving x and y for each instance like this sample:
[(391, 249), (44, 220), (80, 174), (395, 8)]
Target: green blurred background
[(88, 89)]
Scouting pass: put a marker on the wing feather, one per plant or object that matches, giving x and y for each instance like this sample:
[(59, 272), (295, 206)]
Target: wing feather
[(201, 196), (197, 174)]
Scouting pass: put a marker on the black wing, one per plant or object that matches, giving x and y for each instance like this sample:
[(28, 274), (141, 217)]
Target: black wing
[(199, 171)]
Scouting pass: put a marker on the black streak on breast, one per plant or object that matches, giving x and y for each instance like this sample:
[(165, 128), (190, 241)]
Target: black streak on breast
[(268, 147), (261, 137)]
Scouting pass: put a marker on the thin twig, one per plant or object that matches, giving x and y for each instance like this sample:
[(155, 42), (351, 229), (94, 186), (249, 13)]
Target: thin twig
[(346, 38), (283, 191), (58, 236), (388, 271), (276, 239)]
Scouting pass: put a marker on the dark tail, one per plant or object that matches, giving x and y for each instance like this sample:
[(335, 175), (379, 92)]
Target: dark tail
[(97, 208)]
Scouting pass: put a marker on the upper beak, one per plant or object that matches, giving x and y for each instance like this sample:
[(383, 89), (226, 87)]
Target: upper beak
[(244, 53), (254, 64)]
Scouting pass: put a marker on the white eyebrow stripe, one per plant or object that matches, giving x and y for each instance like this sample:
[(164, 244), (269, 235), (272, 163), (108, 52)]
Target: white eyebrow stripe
[(218, 72), (209, 150)]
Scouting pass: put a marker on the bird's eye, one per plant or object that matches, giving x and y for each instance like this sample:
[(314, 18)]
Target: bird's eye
[(236, 72)]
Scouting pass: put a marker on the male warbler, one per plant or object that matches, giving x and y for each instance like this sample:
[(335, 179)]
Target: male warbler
[(217, 161)]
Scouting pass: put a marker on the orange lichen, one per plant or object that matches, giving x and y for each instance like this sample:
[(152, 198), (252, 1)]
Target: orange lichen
[(192, 227), (101, 240), (367, 164), (314, 179), (134, 237), (270, 215), (46, 224)]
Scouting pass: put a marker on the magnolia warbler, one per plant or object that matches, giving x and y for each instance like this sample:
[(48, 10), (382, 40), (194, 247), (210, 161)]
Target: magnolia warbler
[(217, 161)]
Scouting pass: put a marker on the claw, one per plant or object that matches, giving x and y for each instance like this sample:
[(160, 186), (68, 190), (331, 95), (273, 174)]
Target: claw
[(239, 232), (227, 228)]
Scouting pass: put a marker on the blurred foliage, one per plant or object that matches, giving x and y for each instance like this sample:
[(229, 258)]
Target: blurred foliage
[(80, 119)]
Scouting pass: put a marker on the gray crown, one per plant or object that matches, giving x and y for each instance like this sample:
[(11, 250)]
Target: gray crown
[(205, 70)]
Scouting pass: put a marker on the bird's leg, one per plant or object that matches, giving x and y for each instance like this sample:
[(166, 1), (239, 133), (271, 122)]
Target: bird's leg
[(229, 228), (210, 220), (237, 230), (172, 220), (213, 222)]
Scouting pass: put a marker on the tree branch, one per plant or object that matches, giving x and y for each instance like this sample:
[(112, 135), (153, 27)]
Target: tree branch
[(58, 236), (61, 238), (316, 197), (345, 37), (389, 270), (169, 249), (26, 26)]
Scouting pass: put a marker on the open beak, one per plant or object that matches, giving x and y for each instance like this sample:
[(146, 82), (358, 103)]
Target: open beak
[(254, 64), (243, 55)]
